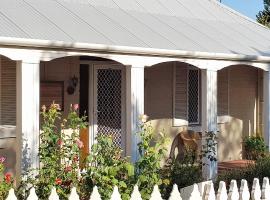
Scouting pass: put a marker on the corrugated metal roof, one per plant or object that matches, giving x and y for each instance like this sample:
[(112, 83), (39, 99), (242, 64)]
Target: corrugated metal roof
[(189, 25)]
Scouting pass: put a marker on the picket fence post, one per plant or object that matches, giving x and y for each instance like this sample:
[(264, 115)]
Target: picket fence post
[(195, 194), (256, 190), (95, 194), (115, 194), (53, 195), (222, 191), (244, 191), (74, 195), (209, 192), (11, 195), (233, 191), (32, 195), (175, 194), (265, 189), (156, 194), (136, 195)]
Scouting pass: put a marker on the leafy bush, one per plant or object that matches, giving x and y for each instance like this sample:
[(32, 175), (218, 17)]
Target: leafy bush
[(182, 173), (148, 167), (58, 153), (254, 147), (7, 181), (107, 168), (259, 169)]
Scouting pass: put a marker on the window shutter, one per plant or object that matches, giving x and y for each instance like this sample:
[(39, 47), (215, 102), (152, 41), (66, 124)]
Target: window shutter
[(223, 92), (180, 96), (7, 92)]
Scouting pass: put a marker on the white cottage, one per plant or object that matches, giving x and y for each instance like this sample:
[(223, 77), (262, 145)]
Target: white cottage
[(187, 64)]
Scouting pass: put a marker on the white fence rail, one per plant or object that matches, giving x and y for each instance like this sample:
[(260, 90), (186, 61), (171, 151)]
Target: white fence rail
[(202, 191)]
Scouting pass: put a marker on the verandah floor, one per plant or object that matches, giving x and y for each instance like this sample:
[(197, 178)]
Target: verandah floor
[(234, 164)]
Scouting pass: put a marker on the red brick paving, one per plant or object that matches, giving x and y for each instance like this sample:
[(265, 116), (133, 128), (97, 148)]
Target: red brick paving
[(234, 164)]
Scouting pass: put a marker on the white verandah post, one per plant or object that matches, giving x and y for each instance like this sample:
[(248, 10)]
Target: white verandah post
[(266, 107), (28, 110), (136, 106), (209, 115)]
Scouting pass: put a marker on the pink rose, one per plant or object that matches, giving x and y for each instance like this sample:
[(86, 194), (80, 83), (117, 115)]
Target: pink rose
[(79, 143), (76, 107), (2, 159)]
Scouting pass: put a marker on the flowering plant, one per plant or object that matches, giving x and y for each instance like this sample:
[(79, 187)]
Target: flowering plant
[(59, 151), (7, 180)]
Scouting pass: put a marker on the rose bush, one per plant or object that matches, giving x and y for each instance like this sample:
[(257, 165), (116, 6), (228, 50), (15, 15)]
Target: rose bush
[(59, 153), (7, 180)]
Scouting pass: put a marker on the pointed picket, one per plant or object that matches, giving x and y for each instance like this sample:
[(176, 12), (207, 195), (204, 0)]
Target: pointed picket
[(74, 195), (11, 195), (233, 191), (222, 191), (195, 194), (136, 195), (244, 191), (156, 194), (32, 195), (256, 190), (115, 194), (175, 194), (54, 195), (95, 194), (265, 189), (210, 192)]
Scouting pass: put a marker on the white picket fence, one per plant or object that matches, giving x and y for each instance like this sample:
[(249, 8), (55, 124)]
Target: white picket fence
[(202, 191)]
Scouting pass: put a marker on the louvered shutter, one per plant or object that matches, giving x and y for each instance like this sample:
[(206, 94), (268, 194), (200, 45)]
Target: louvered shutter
[(180, 96), (7, 92), (223, 92)]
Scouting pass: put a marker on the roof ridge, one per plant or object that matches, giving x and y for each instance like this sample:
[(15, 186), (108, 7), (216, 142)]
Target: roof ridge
[(237, 13)]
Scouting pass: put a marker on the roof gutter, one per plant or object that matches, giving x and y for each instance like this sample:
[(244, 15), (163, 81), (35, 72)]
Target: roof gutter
[(86, 47)]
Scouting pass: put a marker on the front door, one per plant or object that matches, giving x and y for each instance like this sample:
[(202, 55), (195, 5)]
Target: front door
[(109, 102)]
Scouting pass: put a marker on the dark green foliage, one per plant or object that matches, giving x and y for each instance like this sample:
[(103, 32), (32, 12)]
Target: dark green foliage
[(255, 147), (263, 16), (148, 167), (108, 169), (260, 169)]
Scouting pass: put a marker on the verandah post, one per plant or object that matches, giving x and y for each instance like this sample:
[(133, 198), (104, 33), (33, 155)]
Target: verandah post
[(136, 105), (209, 115), (28, 109), (266, 107)]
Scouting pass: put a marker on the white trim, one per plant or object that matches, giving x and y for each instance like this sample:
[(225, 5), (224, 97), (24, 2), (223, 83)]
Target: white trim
[(61, 45)]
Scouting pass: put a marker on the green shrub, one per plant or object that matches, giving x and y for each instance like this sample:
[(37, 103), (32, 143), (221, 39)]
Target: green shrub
[(108, 169), (259, 169), (6, 181), (254, 147), (58, 153)]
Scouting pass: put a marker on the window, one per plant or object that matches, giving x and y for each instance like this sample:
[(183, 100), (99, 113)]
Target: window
[(186, 95)]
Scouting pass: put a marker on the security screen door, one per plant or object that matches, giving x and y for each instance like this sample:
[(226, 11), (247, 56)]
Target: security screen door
[(109, 102)]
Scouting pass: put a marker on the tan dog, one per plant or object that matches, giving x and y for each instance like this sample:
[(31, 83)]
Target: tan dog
[(186, 139)]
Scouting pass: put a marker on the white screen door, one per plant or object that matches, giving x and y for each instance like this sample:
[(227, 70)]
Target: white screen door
[(109, 102)]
